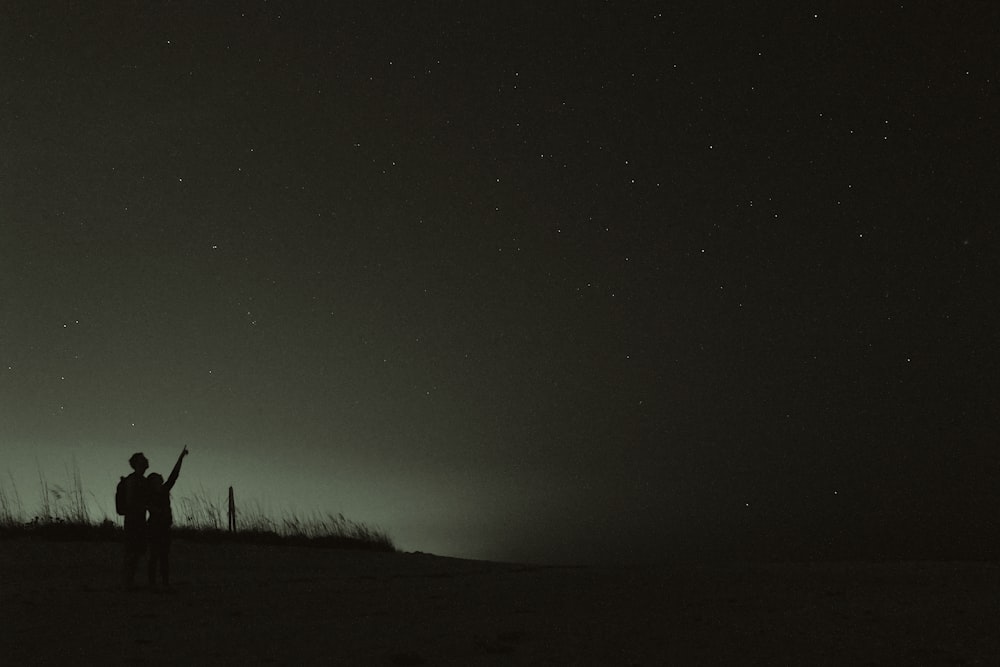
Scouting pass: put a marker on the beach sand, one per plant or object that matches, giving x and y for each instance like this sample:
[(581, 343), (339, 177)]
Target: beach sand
[(232, 604)]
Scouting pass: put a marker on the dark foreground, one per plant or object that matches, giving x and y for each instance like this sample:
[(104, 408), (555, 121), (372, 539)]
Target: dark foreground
[(242, 604)]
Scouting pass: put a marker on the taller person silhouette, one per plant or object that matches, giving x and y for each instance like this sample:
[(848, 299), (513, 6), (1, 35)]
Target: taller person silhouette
[(131, 502)]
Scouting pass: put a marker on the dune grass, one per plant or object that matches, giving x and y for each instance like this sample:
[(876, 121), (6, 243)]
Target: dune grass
[(64, 514), (198, 517)]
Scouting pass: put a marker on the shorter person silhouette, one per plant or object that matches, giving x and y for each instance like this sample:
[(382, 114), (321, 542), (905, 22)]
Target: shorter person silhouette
[(159, 522)]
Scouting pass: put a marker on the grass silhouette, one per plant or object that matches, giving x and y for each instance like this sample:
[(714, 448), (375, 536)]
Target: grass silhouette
[(64, 515)]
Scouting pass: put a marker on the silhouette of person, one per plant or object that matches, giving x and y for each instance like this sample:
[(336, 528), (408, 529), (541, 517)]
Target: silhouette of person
[(135, 517), (160, 520)]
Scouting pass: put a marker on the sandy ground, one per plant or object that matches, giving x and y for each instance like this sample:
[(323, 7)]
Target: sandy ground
[(233, 604)]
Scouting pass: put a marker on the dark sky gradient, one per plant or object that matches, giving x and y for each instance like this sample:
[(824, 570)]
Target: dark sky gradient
[(604, 280)]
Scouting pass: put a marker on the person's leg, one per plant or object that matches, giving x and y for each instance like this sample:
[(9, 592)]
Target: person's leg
[(165, 561), (154, 555), (128, 566), (135, 545)]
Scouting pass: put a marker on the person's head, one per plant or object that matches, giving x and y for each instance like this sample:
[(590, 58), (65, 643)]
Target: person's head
[(138, 462), (155, 481)]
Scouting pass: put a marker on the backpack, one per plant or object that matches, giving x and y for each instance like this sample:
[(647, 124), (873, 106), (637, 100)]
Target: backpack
[(121, 497)]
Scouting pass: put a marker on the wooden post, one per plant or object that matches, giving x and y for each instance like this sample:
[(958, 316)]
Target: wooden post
[(232, 512)]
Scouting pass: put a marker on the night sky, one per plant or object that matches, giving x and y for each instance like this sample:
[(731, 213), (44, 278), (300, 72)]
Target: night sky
[(538, 281)]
